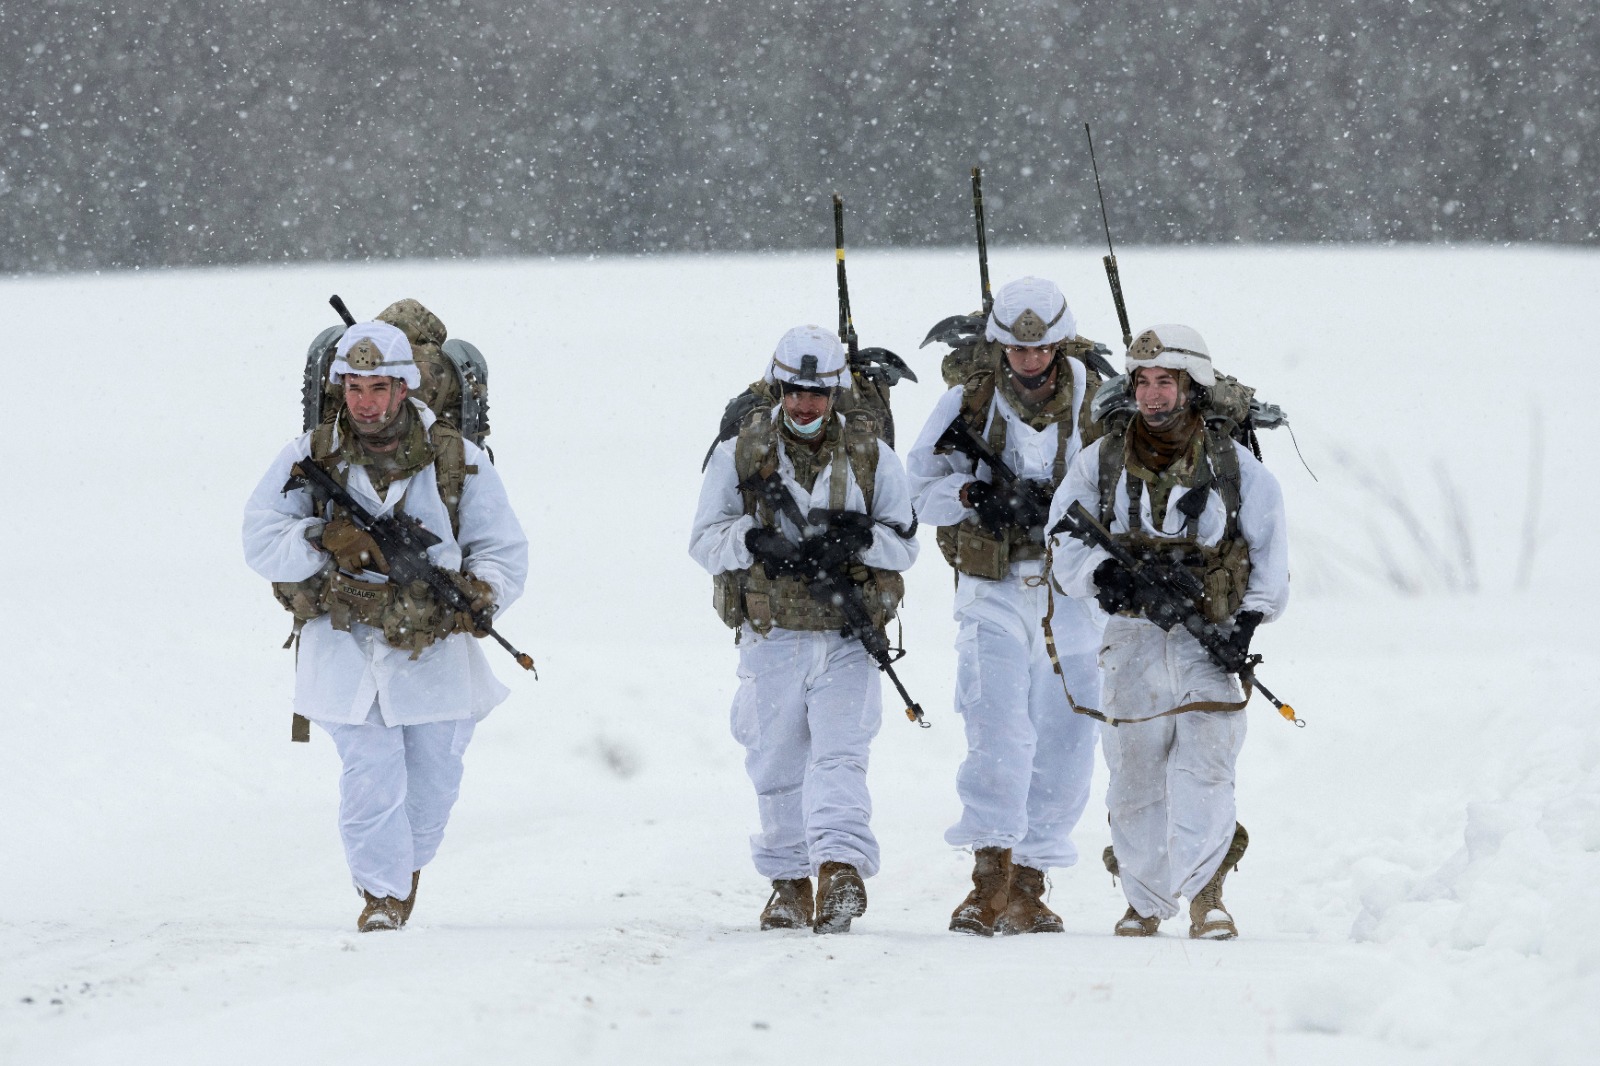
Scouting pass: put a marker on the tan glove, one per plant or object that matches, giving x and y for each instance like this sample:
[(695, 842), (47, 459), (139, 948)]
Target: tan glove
[(482, 597), (352, 547)]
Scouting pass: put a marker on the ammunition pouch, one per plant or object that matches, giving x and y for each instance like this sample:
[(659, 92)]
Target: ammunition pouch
[(408, 615), (741, 596), (1227, 574), (971, 549), (303, 599)]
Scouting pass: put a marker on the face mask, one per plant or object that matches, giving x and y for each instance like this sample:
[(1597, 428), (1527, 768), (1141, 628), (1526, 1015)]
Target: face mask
[(806, 432)]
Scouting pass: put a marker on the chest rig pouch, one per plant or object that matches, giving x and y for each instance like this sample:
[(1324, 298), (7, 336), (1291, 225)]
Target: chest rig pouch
[(741, 596), (970, 547), (1222, 569), (408, 615)]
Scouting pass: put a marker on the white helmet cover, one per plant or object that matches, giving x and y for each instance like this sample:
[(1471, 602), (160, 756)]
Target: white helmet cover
[(374, 349), (810, 356), (1172, 347), (1030, 313)]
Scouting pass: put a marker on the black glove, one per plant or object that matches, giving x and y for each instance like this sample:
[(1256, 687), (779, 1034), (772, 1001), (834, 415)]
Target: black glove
[(1236, 650), (1113, 586), (847, 534), (1000, 508), (775, 552), (993, 504), (1155, 603)]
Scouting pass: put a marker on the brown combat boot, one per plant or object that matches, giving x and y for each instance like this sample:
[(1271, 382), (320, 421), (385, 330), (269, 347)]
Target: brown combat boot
[(1208, 917), (380, 913), (841, 896), (1135, 924), (991, 881), (789, 906), (411, 900), (1026, 911)]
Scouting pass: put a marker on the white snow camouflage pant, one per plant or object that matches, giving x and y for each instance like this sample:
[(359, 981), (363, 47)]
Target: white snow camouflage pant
[(1171, 792), (1030, 757), (395, 793), (806, 711)]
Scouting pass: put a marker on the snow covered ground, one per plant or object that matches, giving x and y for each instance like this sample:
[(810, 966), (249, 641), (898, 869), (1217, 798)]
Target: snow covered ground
[(171, 884)]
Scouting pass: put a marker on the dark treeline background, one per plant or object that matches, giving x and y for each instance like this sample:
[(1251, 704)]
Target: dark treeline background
[(141, 133)]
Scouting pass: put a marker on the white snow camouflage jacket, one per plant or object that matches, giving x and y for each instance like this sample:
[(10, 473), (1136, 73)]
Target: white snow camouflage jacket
[(338, 673)]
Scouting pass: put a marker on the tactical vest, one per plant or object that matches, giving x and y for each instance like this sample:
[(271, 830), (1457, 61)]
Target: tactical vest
[(749, 595), (408, 615), (969, 547), (1223, 569)]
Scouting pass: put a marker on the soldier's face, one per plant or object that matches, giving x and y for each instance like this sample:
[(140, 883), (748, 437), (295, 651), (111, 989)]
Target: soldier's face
[(1157, 395), (1028, 362), (805, 407), (373, 401)]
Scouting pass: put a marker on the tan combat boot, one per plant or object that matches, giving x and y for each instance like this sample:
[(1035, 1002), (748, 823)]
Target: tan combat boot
[(1135, 924), (841, 896), (789, 906), (1208, 918), (411, 900), (380, 913), (1026, 911), (991, 880)]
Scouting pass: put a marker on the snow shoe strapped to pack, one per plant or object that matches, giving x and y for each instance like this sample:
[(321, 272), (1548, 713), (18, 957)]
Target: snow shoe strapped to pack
[(1135, 924), (841, 896), (1026, 911), (991, 887), (379, 914), (790, 905)]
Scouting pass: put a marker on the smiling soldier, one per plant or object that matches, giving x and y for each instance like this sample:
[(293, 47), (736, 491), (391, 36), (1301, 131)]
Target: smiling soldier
[(395, 677)]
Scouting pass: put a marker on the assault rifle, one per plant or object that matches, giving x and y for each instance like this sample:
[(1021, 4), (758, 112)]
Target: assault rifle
[(404, 542), (836, 587), (1176, 594), (959, 436)]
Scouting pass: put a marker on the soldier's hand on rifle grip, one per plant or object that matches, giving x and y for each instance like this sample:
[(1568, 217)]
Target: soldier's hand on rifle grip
[(352, 547), (851, 530), (481, 597), (1113, 587), (1235, 652), (1156, 605), (776, 553), (992, 504)]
